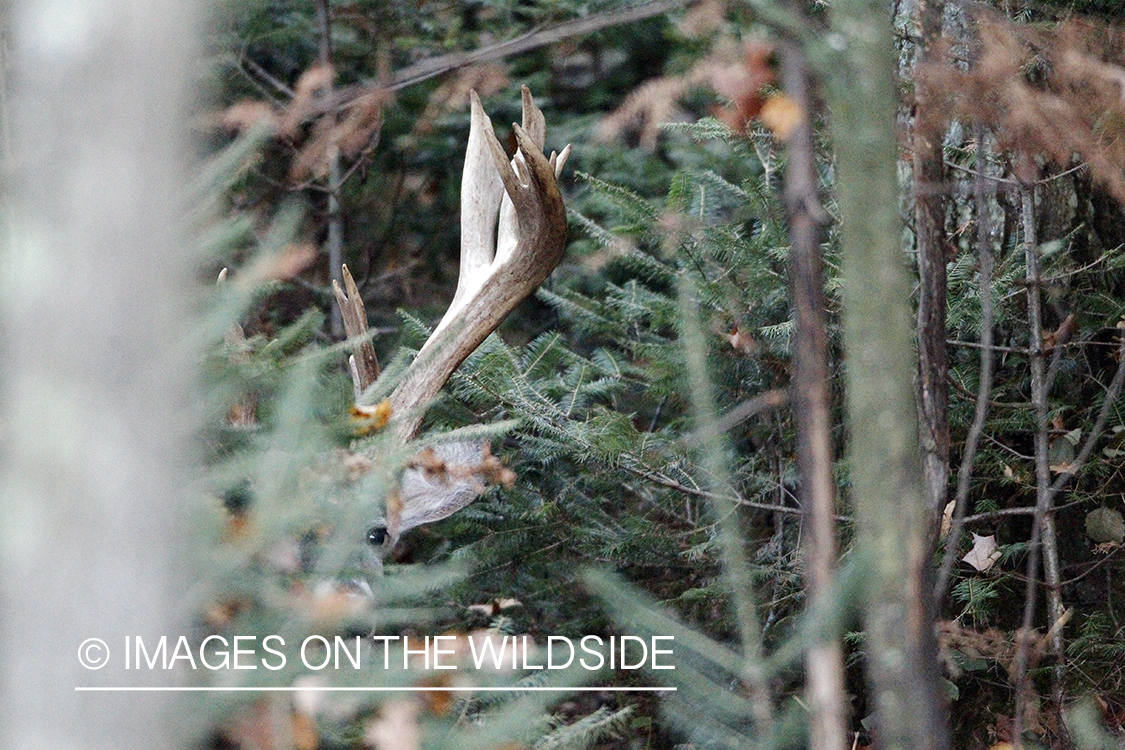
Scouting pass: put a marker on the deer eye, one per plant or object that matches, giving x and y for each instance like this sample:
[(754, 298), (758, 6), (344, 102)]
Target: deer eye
[(376, 535)]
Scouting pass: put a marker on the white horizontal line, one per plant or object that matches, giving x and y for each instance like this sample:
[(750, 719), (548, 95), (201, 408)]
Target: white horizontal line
[(294, 689)]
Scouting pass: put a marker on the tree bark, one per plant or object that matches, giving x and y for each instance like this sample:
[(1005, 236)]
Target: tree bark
[(885, 461), (824, 661), (929, 232), (94, 386)]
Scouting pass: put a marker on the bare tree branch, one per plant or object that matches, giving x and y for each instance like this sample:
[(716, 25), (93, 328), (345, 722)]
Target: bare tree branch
[(335, 213), (972, 441), (534, 39), (1043, 543)]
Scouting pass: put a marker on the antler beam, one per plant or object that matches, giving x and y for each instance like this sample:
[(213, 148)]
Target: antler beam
[(513, 234)]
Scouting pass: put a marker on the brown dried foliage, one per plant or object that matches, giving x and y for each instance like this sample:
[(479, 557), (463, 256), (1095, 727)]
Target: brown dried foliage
[(1050, 95), (487, 79), (347, 133), (348, 136), (740, 74), (703, 19)]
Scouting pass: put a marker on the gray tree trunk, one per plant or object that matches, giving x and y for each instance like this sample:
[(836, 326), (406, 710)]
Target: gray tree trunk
[(886, 463), (94, 386), (929, 231)]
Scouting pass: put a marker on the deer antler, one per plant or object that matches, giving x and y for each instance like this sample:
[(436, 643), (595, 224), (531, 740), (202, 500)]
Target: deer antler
[(501, 262), (364, 365), (513, 234)]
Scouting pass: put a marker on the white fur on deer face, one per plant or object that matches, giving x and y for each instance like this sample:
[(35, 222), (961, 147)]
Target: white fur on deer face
[(430, 491)]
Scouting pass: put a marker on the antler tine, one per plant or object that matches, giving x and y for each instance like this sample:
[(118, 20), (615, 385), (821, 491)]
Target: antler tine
[(557, 163), (481, 193), (533, 120), (536, 126), (364, 365), (500, 265)]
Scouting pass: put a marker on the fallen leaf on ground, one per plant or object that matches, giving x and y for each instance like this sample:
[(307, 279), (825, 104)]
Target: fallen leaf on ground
[(984, 554)]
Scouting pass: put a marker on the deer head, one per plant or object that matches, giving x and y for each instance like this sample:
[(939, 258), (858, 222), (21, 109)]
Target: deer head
[(513, 234)]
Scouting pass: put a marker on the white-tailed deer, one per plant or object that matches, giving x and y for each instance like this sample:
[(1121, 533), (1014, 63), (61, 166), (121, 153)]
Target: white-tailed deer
[(513, 234)]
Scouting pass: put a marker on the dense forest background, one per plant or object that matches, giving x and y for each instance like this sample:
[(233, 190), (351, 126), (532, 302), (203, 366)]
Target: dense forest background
[(698, 406)]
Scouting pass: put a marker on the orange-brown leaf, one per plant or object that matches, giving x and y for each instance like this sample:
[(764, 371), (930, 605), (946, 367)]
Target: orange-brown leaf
[(781, 115), (368, 419)]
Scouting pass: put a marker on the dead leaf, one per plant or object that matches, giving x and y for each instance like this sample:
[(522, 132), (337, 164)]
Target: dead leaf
[(305, 736), (742, 85), (781, 115), (264, 724), (984, 554), (947, 517), (245, 115), (1105, 525), (219, 614), (311, 82), (330, 602), (1061, 453), (368, 419), (737, 72), (743, 342), (439, 702), (494, 607), (279, 266), (396, 728), (487, 79)]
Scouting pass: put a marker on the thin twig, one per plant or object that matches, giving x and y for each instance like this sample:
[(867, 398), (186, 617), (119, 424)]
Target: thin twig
[(976, 429), (1095, 566), (763, 402), (435, 66), (978, 174), (990, 347), (1111, 396), (335, 211), (1043, 542), (1021, 511), (666, 481), (1062, 174), (992, 402), (736, 569), (958, 188), (1009, 449), (248, 62)]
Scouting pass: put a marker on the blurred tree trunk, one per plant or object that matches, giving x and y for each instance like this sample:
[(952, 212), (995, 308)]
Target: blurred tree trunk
[(94, 386), (885, 462)]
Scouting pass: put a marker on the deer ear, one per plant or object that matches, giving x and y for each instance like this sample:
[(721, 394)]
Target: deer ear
[(442, 488)]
